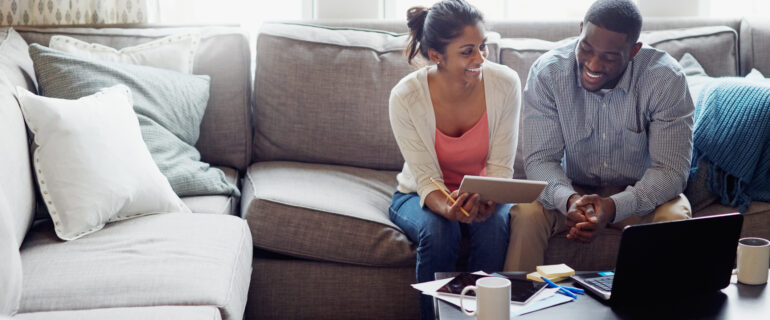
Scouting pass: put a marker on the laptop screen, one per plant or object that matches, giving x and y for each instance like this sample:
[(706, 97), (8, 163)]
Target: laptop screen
[(678, 258)]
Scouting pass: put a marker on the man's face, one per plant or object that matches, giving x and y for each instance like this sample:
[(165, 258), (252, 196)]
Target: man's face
[(603, 56)]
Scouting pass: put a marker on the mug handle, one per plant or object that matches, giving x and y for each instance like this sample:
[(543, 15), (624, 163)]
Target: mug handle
[(462, 295), (737, 258)]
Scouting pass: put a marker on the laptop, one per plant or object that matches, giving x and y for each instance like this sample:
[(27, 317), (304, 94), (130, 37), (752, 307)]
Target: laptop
[(685, 258)]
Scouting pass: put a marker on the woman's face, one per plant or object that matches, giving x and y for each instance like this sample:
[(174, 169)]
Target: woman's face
[(465, 54)]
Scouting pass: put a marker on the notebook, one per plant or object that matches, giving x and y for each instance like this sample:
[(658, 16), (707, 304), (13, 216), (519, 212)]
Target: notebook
[(683, 258)]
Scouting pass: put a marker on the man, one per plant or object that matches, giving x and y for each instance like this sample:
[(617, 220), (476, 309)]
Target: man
[(608, 123)]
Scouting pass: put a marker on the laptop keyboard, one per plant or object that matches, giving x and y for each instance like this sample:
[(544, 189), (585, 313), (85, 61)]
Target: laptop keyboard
[(604, 283)]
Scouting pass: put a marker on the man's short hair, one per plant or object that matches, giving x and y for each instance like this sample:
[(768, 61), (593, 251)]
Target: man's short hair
[(621, 16)]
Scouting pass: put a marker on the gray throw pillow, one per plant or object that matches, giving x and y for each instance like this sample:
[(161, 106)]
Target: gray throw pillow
[(168, 104)]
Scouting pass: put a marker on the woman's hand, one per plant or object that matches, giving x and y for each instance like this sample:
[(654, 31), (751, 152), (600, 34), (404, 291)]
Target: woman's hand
[(467, 201), (441, 205)]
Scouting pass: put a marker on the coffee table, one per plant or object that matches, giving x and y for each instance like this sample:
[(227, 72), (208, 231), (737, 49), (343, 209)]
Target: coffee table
[(737, 301)]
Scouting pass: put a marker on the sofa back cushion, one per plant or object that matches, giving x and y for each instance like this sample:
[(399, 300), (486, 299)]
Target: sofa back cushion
[(321, 95), (755, 40), (15, 63), (223, 54), (716, 47), (15, 171)]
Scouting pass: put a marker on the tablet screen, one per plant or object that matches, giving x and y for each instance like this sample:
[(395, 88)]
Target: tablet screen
[(521, 290)]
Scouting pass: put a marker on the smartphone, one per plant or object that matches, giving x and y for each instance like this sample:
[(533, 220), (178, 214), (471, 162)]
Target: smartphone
[(521, 290)]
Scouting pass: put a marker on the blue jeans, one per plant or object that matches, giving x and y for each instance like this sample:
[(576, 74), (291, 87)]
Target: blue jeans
[(438, 240)]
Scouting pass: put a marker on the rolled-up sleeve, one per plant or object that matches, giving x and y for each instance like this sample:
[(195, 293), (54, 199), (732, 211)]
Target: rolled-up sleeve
[(670, 149)]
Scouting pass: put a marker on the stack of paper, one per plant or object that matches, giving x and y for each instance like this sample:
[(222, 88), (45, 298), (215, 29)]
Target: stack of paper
[(544, 299), (554, 272)]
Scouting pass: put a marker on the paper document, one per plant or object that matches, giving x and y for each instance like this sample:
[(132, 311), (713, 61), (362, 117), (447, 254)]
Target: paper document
[(544, 299)]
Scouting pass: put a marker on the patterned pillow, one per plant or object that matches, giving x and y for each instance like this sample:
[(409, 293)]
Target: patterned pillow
[(176, 52)]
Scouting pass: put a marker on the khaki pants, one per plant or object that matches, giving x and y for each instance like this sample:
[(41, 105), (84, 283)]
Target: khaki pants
[(532, 226)]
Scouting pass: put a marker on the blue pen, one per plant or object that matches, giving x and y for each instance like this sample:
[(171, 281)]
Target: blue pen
[(574, 290), (561, 289), (570, 289)]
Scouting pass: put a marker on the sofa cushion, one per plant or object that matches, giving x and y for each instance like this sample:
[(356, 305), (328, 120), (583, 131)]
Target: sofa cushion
[(10, 268), (144, 313), (169, 105), (324, 212), (15, 70), (157, 260), (600, 254), (347, 292), (15, 165), (715, 47), (15, 63), (755, 39), (218, 204), (321, 95), (223, 54), (710, 44), (756, 220)]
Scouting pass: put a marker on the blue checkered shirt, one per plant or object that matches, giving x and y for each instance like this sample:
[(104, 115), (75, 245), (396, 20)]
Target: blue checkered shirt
[(637, 136)]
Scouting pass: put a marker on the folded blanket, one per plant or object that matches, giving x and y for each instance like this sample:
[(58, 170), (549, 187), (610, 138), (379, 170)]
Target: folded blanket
[(732, 129)]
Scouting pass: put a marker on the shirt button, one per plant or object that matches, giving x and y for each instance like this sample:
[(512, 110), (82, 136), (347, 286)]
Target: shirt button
[(605, 164), (604, 136), (604, 105)]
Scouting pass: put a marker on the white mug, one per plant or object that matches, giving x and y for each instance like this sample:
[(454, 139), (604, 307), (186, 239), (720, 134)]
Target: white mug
[(753, 260), (493, 299)]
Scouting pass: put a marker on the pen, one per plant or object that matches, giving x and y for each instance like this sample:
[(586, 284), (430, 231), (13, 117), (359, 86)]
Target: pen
[(448, 196), (571, 289), (563, 290)]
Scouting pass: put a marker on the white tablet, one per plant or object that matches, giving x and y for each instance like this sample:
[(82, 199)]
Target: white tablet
[(503, 190)]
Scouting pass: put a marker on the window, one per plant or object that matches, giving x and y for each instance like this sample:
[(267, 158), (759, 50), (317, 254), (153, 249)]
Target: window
[(506, 9), (250, 14)]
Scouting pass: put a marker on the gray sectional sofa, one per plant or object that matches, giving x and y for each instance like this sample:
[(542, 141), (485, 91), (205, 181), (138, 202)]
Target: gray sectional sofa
[(311, 147), (316, 197)]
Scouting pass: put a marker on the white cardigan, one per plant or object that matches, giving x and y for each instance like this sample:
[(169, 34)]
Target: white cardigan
[(414, 126)]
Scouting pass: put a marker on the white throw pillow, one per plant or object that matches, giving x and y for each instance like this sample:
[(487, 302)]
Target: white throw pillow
[(10, 263), (755, 75), (697, 79), (175, 52), (91, 162)]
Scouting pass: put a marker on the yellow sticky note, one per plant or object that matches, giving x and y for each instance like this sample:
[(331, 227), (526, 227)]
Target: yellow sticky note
[(535, 276), (555, 271)]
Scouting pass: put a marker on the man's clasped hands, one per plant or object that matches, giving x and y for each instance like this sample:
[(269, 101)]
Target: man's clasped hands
[(587, 215)]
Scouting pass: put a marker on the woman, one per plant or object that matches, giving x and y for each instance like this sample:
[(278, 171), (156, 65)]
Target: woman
[(458, 116)]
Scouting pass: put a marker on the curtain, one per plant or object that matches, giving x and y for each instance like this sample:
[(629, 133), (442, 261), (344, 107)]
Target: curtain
[(71, 12)]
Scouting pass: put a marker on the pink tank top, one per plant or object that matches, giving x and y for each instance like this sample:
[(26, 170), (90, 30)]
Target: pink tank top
[(463, 155)]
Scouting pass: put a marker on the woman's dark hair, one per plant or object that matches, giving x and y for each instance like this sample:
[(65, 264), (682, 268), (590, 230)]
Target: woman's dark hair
[(434, 27), (621, 16)]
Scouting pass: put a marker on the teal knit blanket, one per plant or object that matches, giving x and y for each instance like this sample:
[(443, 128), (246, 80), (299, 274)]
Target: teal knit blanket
[(732, 130)]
